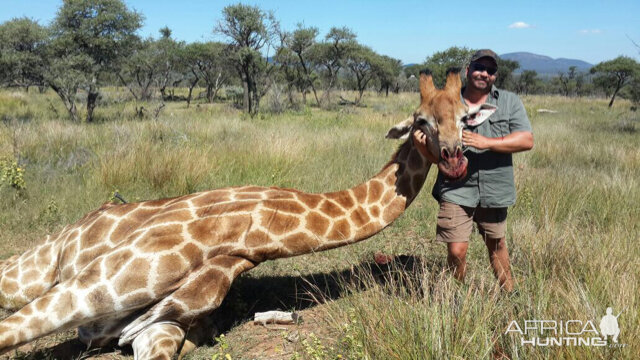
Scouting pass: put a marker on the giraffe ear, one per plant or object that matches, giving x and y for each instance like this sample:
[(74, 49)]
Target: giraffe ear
[(401, 129), (478, 114)]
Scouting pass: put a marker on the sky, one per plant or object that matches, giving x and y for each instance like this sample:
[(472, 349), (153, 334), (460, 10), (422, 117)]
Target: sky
[(589, 30)]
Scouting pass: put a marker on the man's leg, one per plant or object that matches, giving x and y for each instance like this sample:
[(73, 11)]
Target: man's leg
[(499, 258), (456, 259), (455, 223)]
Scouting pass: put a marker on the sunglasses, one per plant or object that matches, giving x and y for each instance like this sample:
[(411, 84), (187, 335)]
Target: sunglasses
[(480, 67)]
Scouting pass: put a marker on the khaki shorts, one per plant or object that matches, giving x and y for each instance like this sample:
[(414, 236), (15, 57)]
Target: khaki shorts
[(455, 222)]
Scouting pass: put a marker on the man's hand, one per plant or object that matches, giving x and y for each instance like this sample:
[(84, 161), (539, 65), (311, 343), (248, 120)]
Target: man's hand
[(476, 140)]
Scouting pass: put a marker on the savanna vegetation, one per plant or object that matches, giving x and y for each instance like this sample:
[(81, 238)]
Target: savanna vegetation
[(160, 118)]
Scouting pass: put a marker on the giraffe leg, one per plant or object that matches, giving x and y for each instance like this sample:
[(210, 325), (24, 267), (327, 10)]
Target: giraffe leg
[(159, 341), (201, 293)]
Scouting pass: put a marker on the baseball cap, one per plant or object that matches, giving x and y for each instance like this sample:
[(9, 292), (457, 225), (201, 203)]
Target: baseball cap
[(484, 53)]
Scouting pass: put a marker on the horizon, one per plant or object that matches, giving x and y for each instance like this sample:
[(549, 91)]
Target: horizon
[(594, 32)]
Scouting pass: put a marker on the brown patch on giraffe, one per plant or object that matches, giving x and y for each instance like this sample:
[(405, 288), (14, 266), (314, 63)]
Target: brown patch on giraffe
[(12, 273), (248, 196), (9, 286), (415, 161), (277, 193), (88, 256), (209, 287), (137, 299), (221, 209), (341, 230), (278, 223), (317, 223), (216, 230), (88, 277), (115, 261), (171, 216), (34, 291), (193, 254), (257, 238), (133, 277), (29, 276), (310, 200), (171, 269), (359, 216), (360, 192), (287, 206), (331, 209), (375, 210), (343, 198), (123, 209), (99, 298), (211, 197), (300, 243), (250, 189), (388, 197), (404, 186), (152, 244), (179, 205), (124, 228), (159, 202), (375, 191), (368, 230), (141, 215), (394, 209)]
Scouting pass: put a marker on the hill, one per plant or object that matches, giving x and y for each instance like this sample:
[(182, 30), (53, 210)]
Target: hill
[(544, 64)]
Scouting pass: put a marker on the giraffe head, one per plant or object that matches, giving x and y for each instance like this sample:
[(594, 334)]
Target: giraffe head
[(440, 117)]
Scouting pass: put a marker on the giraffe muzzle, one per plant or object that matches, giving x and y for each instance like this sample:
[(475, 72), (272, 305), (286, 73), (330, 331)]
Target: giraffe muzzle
[(453, 164)]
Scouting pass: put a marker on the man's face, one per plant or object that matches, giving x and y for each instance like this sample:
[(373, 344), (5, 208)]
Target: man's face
[(478, 74)]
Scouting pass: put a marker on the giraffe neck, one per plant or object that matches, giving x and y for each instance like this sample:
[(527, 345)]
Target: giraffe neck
[(364, 210)]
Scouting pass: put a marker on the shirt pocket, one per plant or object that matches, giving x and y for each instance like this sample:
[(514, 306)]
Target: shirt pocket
[(499, 127)]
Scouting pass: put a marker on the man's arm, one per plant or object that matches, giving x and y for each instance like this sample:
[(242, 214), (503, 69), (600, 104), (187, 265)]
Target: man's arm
[(514, 142)]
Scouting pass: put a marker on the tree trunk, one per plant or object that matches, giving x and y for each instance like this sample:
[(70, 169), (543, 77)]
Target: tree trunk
[(68, 101), (92, 98), (618, 86), (191, 86)]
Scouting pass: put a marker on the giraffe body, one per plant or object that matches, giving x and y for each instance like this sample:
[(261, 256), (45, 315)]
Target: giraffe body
[(144, 273)]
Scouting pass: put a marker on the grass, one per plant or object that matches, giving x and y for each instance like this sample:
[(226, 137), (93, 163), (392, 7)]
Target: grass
[(573, 234)]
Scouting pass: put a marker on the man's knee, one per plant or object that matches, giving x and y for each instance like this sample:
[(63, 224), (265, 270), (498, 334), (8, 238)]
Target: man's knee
[(495, 244), (458, 250)]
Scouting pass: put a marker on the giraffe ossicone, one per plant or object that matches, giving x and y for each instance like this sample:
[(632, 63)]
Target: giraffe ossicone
[(145, 273)]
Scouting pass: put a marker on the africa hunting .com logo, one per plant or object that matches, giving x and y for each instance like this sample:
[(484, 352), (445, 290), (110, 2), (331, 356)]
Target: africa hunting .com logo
[(568, 332)]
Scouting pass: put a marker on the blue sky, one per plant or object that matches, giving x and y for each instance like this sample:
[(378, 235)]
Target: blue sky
[(589, 30)]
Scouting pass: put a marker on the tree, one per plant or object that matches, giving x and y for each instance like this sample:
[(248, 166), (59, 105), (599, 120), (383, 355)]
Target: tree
[(301, 43), (166, 55), (207, 64), (387, 71), (22, 43), (89, 39), (139, 71), (617, 72), (330, 55), (249, 29), (440, 61), (362, 61), (527, 82), (506, 68)]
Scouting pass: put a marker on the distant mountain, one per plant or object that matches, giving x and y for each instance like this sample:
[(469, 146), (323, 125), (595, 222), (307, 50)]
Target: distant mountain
[(544, 64)]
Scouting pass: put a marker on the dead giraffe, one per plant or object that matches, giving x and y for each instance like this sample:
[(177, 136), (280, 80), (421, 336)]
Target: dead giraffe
[(144, 273)]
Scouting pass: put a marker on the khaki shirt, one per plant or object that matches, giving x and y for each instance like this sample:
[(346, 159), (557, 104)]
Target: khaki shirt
[(489, 182)]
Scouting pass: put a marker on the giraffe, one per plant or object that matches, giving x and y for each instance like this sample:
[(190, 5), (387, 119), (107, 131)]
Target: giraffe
[(145, 273)]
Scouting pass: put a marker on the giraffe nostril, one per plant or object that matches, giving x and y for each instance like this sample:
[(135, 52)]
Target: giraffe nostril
[(444, 153), (458, 152)]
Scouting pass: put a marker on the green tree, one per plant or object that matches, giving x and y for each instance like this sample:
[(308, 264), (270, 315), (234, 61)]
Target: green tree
[(331, 54), (527, 82), (504, 79), (90, 38), (22, 44), (363, 62), (207, 64), (440, 61), (617, 73), (139, 71), (387, 71), (166, 57), (301, 43), (249, 29)]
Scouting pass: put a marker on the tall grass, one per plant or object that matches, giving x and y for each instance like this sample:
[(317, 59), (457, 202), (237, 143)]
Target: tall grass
[(573, 234)]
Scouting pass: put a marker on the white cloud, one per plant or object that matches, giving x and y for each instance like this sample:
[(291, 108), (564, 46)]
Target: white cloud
[(590, 31), (520, 25)]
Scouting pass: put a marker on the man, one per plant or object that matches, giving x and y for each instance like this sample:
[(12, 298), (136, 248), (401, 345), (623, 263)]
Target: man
[(489, 188)]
